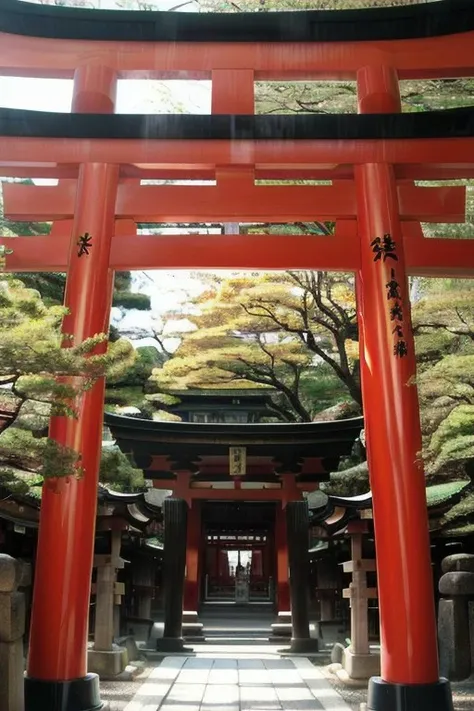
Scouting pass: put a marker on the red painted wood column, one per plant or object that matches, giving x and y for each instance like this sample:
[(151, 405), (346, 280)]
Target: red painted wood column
[(281, 546), (388, 368), (193, 549), (57, 676)]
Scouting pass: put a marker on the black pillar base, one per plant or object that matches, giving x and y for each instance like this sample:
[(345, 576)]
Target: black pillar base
[(73, 695), (304, 646), (301, 646), (383, 696), (171, 644)]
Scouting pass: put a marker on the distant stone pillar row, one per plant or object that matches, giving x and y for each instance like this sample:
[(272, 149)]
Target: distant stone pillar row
[(105, 658), (12, 629), (175, 514), (297, 522), (358, 662), (456, 617), (143, 580), (107, 591)]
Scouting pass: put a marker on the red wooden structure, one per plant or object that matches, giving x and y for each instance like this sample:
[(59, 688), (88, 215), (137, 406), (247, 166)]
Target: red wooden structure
[(372, 160)]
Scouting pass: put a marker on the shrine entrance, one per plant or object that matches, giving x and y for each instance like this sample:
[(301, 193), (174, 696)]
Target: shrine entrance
[(239, 559)]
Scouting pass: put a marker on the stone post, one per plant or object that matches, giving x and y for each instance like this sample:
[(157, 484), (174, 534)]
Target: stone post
[(297, 521), (174, 563), (143, 581), (456, 617), (326, 575), (105, 658), (358, 662), (12, 628)]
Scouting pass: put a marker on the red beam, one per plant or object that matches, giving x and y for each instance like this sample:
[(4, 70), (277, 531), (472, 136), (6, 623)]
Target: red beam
[(449, 56), (245, 494), (264, 252), (153, 203), (240, 199), (458, 153), (438, 257), (170, 173), (426, 257)]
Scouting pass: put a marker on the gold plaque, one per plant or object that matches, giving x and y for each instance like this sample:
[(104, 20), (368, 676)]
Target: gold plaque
[(237, 461)]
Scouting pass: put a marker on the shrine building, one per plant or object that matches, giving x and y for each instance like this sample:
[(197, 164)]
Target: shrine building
[(240, 487)]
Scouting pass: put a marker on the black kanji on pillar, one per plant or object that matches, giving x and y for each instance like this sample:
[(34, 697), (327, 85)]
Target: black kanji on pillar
[(175, 515), (297, 522)]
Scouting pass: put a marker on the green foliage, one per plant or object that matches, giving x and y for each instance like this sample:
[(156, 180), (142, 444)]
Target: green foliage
[(284, 331), (20, 483), (147, 358), (163, 399), (123, 295), (117, 472), (444, 330), (129, 390), (42, 378), (350, 482), (50, 285)]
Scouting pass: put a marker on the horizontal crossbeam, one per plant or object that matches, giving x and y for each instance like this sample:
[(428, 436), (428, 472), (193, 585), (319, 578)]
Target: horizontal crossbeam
[(425, 257), (36, 56), (269, 173), (193, 252), (239, 200), (456, 152)]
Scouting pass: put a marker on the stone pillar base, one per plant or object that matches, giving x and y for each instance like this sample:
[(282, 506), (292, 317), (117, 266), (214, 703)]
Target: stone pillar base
[(383, 696), (192, 628), (107, 664), (75, 695), (360, 666), (282, 628)]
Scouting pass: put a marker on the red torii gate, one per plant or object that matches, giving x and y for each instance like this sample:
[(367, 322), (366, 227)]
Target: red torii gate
[(373, 200)]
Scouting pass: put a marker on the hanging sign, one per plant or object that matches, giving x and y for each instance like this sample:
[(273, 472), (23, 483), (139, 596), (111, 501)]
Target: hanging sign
[(237, 461)]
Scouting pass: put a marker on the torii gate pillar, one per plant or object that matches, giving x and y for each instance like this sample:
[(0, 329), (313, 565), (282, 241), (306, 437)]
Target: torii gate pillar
[(409, 660), (57, 676)]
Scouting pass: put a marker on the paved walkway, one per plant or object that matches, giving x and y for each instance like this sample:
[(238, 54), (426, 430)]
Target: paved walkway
[(245, 683)]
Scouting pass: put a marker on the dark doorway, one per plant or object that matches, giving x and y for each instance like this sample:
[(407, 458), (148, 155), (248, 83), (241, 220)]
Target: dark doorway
[(239, 563)]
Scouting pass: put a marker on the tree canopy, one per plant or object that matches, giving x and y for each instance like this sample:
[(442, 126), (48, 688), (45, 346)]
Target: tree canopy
[(39, 377), (285, 331)]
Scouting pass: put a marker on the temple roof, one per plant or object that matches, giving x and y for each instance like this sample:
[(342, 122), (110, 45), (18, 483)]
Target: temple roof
[(446, 503), (310, 450)]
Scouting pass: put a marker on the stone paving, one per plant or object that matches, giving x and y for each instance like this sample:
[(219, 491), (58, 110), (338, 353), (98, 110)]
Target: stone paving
[(245, 683)]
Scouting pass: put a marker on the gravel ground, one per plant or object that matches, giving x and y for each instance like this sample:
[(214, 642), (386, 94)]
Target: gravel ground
[(119, 693), (463, 693)]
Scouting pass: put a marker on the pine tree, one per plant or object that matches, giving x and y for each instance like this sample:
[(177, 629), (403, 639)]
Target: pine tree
[(40, 378)]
